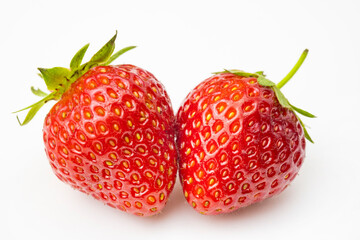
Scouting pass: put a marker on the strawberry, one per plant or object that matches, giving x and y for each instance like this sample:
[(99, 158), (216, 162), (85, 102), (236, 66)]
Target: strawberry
[(239, 139), (111, 134)]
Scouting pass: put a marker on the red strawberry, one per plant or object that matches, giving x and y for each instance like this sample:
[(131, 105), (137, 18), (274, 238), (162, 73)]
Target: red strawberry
[(111, 133), (239, 140)]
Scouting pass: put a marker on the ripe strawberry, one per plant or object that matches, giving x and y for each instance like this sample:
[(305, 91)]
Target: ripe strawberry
[(111, 134), (239, 141)]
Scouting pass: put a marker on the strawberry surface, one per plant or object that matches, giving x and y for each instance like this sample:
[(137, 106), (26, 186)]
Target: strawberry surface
[(111, 136), (237, 144), (111, 133)]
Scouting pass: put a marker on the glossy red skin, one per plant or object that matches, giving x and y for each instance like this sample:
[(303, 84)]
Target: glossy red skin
[(251, 154), (123, 153)]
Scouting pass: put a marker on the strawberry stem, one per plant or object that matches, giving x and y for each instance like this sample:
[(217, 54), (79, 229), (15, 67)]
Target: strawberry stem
[(293, 70)]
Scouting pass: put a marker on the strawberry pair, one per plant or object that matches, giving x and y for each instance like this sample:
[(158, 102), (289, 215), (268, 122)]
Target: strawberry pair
[(112, 135)]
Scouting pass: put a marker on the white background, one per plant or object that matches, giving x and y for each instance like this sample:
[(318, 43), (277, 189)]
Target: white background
[(181, 43)]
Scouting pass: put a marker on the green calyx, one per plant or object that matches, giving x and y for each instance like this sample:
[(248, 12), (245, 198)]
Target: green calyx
[(59, 79), (263, 81)]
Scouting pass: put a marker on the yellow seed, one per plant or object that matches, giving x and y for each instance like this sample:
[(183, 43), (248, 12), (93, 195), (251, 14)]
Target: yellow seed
[(98, 146), (201, 174), (221, 108), (109, 163), (117, 111), (141, 149), (152, 162), (113, 95), (116, 126), (127, 152), (231, 186), (65, 151), (121, 85), (231, 115), (100, 98), (158, 182), (128, 104), (216, 98), (208, 116), (136, 94), (204, 106), (223, 139), (112, 155), (217, 194), (125, 164), (190, 180), (138, 163), (198, 124), (161, 141), (87, 114), (207, 135), (138, 204), (162, 169), (138, 136), (212, 148), (162, 196), (248, 138), (186, 194), (234, 88), (155, 150), (211, 181), (159, 109), (188, 151), (197, 143), (135, 177), (211, 165), (218, 128), (126, 138), (151, 199), (129, 122), (199, 191), (102, 128)]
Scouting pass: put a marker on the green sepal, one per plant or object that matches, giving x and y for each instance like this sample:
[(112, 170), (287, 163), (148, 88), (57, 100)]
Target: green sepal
[(302, 112), (281, 98), (306, 134), (34, 108), (264, 81), (118, 54), (77, 59), (38, 92), (105, 52), (54, 77)]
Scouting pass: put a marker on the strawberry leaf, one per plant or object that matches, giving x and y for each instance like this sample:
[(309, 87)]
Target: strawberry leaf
[(77, 59), (34, 108), (306, 134), (302, 112), (264, 81), (54, 77), (105, 52), (38, 92), (281, 98), (118, 53)]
